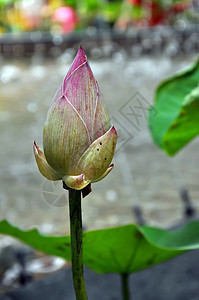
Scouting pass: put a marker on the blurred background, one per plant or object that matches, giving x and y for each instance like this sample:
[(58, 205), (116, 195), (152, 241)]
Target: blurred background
[(131, 45), (68, 16)]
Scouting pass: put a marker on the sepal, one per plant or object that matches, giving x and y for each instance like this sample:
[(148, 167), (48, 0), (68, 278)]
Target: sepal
[(45, 169), (76, 182), (105, 174), (97, 158)]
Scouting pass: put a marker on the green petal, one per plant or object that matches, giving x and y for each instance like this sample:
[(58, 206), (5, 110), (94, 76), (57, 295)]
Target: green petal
[(43, 166), (76, 182), (65, 137), (97, 158), (105, 174)]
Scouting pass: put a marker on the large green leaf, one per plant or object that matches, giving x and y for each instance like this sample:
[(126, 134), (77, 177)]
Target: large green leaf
[(124, 249), (52, 245), (177, 105)]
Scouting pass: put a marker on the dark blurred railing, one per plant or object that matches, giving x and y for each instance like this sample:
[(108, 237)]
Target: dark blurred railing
[(171, 41)]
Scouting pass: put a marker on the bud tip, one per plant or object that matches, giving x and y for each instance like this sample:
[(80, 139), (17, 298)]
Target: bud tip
[(35, 148), (113, 130)]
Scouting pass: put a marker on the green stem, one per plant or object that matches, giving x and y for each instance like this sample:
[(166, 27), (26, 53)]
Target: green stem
[(76, 243), (125, 286)]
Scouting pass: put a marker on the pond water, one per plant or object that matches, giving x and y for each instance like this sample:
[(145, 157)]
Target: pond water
[(143, 175)]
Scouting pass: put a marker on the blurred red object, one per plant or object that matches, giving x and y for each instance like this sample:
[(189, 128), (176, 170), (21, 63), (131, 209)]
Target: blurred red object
[(180, 7), (66, 17), (135, 2), (157, 13), (160, 15)]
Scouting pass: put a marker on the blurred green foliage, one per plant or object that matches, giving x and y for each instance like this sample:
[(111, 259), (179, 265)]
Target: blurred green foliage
[(177, 105)]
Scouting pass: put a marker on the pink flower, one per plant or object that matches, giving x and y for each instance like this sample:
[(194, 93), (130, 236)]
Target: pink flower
[(79, 142), (66, 17)]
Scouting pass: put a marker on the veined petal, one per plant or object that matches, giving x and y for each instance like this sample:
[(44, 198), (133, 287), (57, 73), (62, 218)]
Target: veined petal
[(101, 122), (59, 94), (105, 174), (43, 165), (80, 89), (97, 158), (76, 182), (80, 58), (65, 137)]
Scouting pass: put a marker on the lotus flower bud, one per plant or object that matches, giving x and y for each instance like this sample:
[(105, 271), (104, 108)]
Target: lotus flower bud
[(78, 140)]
